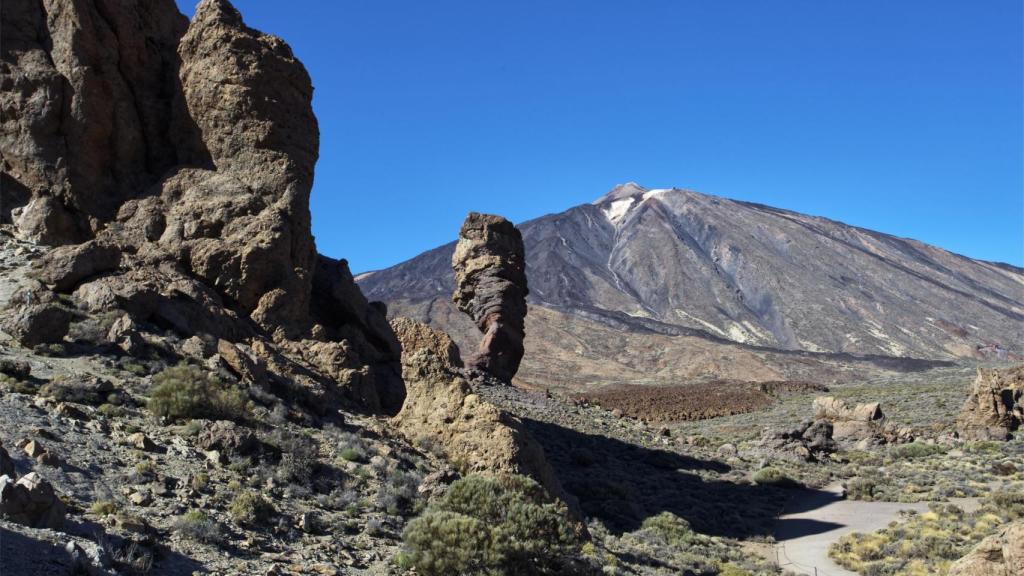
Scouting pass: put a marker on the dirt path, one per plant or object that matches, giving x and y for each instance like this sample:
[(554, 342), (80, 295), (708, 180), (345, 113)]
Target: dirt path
[(814, 519)]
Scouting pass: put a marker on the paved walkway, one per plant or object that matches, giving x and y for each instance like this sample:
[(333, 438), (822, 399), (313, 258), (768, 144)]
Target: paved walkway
[(814, 519)]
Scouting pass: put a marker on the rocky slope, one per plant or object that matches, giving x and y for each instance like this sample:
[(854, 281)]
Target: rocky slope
[(640, 279)]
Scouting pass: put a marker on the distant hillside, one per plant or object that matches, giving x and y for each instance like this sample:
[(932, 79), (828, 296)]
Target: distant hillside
[(711, 281)]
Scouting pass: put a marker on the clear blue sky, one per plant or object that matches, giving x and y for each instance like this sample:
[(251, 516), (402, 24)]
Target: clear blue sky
[(905, 117)]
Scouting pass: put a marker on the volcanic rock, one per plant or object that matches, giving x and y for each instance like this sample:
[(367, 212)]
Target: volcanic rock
[(171, 164), (441, 409), (31, 501), (1001, 554), (414, 336), (490, 279), (995, 407)]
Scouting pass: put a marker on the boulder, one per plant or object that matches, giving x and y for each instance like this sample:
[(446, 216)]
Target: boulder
[(995, 407), (1001, 554), (864, 423), (35, 324), (65, 267), (31, 501), (6, 463), (15, 368), (227, 438), (490, 286)]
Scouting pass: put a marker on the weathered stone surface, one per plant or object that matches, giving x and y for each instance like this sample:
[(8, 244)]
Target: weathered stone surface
[(65, 267), (441, 409), (415, 335), (810, 441), (490, 278), (31, 501), (995, 407), (175, 161), (92, 107), (1001, 554), (227, 438), (863, 422), (35, 324)]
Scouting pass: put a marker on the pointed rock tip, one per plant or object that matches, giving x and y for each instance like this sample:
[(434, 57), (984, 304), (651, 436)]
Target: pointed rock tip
[(221, 10), (621, 191)]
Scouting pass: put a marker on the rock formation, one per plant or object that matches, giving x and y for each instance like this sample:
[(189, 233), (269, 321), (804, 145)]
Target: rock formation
[(170, 163), (995, 407), (808, 442), (442, 410), (490, 278), (1001, 554), (863, 423), (31, 501)]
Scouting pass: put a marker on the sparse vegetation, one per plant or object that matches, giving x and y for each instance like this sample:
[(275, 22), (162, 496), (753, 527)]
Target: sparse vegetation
[(196, 525), (103, 507), (486, 525), (773, 476), (185, 392), (251, 508), (926, 543)]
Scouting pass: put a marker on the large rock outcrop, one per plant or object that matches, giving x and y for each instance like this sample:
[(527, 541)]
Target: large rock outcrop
[(862, 423), (490, 279), (441, 410), (170, 163), (1001, 554), (995, 407)]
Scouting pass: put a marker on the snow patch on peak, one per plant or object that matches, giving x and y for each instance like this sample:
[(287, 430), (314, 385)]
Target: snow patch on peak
[(655, 192), (617, 209)]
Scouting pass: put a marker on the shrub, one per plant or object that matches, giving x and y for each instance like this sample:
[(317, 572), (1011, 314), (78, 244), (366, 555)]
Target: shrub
[(670, 528), (352, 448), (251, 508), (491, 525), (103, 507), (916, 450), (195, 525), (771, 476), (185, 392), (860, 489)]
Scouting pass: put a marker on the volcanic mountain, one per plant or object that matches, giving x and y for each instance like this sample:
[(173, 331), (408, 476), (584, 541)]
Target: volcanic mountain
[(670, 286)]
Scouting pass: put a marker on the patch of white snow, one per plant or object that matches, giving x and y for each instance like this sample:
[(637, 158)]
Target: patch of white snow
[(617, 209)]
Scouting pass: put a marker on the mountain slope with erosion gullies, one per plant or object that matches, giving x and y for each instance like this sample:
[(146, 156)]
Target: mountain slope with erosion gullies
[(667, 285)]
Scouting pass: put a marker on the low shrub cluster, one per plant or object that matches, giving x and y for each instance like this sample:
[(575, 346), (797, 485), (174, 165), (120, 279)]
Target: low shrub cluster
[(185, 392), (667, 542), (491, 525), (926, 543)]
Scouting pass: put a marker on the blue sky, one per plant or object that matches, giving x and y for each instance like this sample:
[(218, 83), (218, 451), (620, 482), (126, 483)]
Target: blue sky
[(904, 117)]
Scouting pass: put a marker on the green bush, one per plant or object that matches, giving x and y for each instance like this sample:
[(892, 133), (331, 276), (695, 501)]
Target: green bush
[(670, 528), (771, 476), (251, 508), (916, 450), (197, 526), (491, 525), (185, 392), (860, 489)]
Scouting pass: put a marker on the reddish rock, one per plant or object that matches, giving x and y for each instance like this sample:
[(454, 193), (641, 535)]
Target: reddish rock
[(490, 279)]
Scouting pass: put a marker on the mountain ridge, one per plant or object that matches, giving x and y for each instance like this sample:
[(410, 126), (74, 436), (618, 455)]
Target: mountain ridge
[(748, 273)]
